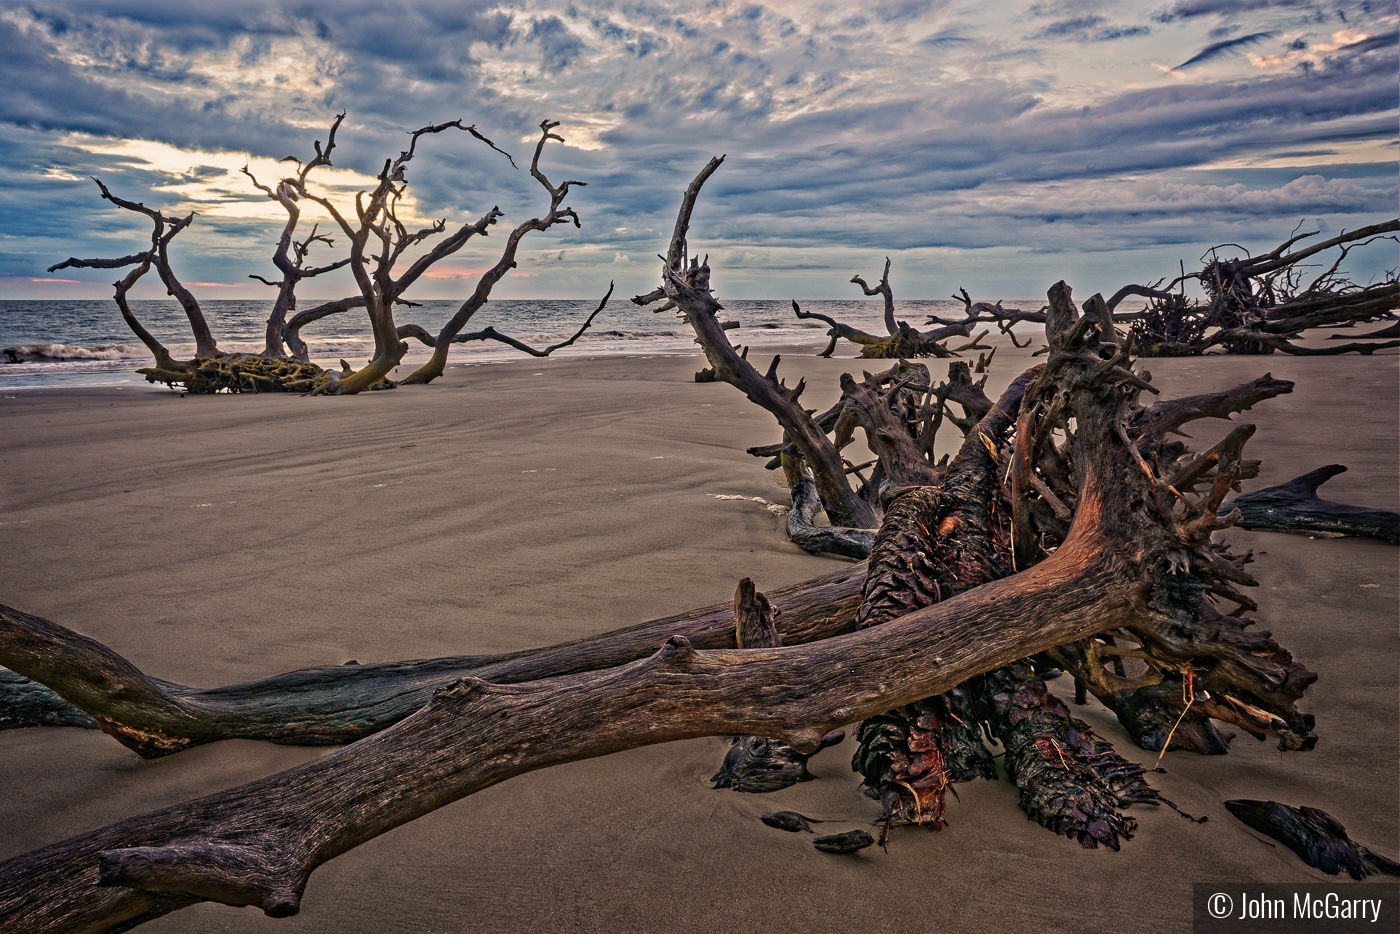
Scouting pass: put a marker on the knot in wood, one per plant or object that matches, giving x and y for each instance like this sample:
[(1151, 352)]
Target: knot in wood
[(677, 651), (459, 690)]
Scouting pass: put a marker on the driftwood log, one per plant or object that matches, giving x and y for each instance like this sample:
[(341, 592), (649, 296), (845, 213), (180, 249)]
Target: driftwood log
[(1295, 507), (59, 677), (1317, 837)]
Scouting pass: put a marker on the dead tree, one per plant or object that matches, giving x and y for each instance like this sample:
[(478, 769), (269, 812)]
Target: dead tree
[(1130, 552), (1252, 305), (380, 256), (558, 213), (686, 289), (1266, 303), (900, 341), (291, 254), (163, 230), (1012, 518)]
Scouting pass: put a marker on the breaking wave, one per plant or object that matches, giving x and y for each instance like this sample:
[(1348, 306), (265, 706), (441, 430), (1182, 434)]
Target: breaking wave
[(70, 353)]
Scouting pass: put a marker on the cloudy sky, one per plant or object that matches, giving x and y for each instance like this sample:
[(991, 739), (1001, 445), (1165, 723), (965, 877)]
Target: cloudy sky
[(992, 144)]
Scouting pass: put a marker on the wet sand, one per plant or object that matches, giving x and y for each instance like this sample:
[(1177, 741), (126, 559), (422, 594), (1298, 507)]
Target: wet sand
[(219, 540)]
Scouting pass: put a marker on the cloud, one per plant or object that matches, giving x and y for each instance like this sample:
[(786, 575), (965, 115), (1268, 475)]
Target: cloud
[(1190, 9), (1226, 47), (936, 129)]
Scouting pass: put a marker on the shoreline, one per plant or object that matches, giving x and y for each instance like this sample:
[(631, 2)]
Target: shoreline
[(215, 540)]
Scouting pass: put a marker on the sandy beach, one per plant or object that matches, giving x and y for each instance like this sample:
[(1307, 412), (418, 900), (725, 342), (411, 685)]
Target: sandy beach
[(214, 540)]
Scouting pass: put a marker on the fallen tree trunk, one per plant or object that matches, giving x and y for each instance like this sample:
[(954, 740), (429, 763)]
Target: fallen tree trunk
[(88, 684)]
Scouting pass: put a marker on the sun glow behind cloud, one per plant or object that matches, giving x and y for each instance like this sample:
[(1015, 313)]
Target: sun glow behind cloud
[(213, 183)]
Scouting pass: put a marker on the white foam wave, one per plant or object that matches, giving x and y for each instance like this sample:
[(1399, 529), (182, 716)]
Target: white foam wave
[(65, 353)]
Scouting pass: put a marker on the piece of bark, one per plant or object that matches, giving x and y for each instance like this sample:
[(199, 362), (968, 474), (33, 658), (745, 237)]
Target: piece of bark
[(791, 821), (852, 841)]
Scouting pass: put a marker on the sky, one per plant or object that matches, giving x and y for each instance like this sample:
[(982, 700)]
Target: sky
[(991, 145)]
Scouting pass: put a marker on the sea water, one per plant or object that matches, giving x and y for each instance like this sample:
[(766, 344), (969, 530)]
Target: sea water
[(86, 342)]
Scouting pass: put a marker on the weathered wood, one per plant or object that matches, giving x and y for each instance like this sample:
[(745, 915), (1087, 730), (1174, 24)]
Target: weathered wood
[(256, 845), (756, 764), (837, 331), (26, 703), (491, 334), (290, 254), (1317, 837), (901, 341), (164, 229), (379, 254), (558, 213), (686, 287), (801, 526), (904, 461), (291, 330), (1295, 507), (1260, 304), (335, 705), (1134, 555), (937, 541)]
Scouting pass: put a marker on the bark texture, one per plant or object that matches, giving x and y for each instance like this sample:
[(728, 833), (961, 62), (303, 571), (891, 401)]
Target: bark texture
[(73, 680)]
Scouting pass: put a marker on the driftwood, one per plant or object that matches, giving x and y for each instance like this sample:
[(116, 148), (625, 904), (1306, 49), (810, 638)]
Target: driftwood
[(1252, 305), (1262, 304), (1067, 520), (844, 506), (384, 256), (1317, 837), (1156, 706), (558, 213), (756, 764), (69, 679), (291, 254), (938, 540), (1295, 507), (901, 341)]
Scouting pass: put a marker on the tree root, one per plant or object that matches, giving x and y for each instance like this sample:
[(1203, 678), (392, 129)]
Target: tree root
[(243, 373), (1072, 781)]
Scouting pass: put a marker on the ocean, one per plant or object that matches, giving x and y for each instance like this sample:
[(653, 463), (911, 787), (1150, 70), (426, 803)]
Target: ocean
[(86, 343)]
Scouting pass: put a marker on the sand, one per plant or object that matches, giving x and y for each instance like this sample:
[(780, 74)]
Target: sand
[(217, 540)]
